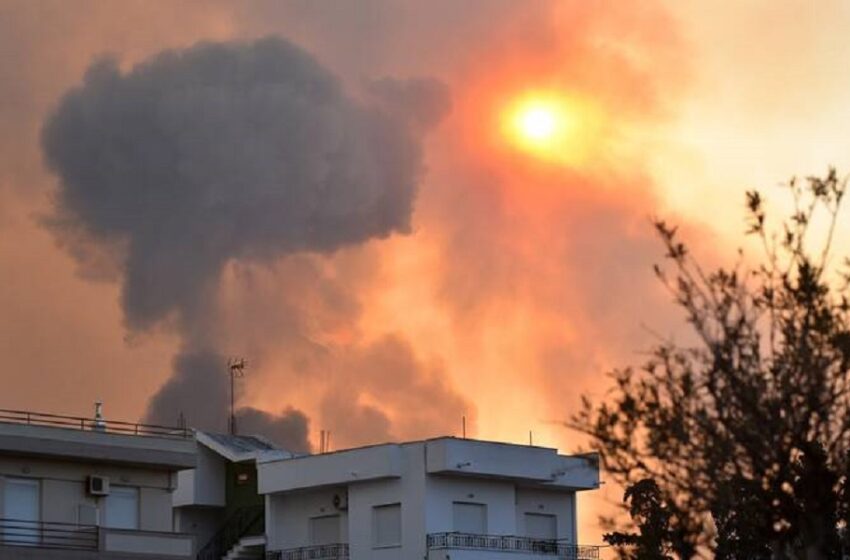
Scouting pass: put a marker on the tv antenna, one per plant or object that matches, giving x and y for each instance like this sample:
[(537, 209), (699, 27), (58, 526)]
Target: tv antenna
[(236, 368)]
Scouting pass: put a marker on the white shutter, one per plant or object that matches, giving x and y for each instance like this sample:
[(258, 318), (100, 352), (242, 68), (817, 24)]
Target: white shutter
[(386, 525), (21, 510), (122, 508), (324, 530), (541, 526), (470, 518)]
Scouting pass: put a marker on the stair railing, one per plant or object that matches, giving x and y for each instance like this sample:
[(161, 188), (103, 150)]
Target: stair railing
[(244, 522)]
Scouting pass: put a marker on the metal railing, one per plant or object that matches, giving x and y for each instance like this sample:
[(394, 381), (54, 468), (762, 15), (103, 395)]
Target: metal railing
[(337, 551), (244, 522), (42, 534), (91, 424), (544, 547)]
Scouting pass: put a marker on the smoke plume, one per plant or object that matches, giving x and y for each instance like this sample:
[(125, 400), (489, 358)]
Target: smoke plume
[(229, 152)]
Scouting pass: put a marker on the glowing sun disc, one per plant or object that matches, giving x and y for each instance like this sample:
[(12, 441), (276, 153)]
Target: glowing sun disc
[(552, 126), (538, 123)]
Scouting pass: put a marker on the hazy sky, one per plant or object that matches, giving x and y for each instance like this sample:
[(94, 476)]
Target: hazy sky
[(505, 285)]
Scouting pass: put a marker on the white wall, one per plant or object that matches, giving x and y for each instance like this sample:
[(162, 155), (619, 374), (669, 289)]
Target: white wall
[(288, 516), (497, 495), (63, 488), (201, 522), (560, 504), (205, 484)]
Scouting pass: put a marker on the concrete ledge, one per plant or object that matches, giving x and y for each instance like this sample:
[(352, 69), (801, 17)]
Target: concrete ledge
[(330, 469), (42, 441), (147, 543)]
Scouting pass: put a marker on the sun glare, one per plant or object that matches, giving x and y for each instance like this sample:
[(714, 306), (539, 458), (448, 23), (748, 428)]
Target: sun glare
[(538, 123), (548, 126)]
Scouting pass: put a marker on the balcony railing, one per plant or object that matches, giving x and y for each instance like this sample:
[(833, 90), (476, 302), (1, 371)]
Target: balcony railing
[(543, 547), (319, 552), (16, 532), (91, 424)]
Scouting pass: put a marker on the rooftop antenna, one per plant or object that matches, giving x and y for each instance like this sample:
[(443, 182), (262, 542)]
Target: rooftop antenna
[(463, 418), (236, 367)]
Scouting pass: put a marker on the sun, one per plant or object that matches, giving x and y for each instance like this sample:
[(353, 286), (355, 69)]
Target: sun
[(548, 125), (538, 123)]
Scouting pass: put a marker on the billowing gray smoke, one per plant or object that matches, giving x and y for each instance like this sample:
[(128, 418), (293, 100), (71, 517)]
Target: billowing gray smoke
[(221, 152), (198, 391)]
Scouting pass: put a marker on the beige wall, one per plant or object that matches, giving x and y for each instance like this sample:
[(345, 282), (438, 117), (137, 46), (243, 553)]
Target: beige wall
[(63, 488)]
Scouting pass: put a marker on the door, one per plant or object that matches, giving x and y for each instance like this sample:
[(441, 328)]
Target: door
[(21, 511)]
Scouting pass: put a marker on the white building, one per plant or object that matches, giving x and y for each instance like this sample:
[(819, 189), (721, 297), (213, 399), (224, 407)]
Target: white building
[(89, 489), (440, 499)]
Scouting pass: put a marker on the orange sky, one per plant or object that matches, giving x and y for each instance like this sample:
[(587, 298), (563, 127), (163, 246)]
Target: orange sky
[(523, 279)]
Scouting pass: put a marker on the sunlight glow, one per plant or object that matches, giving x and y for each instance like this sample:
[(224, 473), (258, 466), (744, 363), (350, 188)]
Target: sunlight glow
[(549, 126)]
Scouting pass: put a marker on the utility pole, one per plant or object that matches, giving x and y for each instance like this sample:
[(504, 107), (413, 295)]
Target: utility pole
[(236, 368)]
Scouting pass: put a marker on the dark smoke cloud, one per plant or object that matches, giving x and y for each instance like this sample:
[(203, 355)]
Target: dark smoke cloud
[(198, 393), (228, 152)]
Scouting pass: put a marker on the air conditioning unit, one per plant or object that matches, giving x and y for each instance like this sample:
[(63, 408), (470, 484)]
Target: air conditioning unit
[(340, 501), (98, 485)]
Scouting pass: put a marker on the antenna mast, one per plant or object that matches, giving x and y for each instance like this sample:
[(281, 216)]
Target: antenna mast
[(236, 368)]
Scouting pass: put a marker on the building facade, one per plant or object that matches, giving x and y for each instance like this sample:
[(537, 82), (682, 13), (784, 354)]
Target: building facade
[(439, 499), (218, 501), (90, 489)]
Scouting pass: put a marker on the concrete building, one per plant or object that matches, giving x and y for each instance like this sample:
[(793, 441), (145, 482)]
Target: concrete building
[(89, 489), (217, 501), (440, 499)]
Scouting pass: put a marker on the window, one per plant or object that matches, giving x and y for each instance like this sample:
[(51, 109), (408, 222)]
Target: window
[(470, 518), (386, 525), (122, 508), (541, 526), (21, 503), (324, 530)]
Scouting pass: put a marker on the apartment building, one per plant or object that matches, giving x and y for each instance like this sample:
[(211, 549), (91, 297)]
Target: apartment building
[(218, 502), (440, 499), (90, 489)]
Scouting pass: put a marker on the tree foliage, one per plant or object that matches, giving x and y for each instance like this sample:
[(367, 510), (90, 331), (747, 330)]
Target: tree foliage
[(650, 515), (746, 431)]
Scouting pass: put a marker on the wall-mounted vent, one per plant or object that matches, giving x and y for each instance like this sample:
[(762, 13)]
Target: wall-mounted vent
[(340, 501), (98, 485)]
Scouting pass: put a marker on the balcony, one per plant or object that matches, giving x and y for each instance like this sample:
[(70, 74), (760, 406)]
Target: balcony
[(320, 552), (24, 433), (80, 539), (15, 532), (520, 548)]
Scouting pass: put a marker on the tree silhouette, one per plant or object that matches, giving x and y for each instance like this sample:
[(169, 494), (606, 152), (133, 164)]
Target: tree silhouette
[(652, 519), (751, 423)]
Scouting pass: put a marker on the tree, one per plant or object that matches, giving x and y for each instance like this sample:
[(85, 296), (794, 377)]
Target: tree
[(760, 403), (652, 519)]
